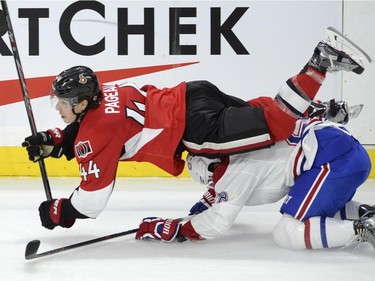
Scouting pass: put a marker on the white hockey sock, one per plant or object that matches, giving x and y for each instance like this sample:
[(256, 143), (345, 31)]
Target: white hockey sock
[(349, 212), (290, 102), (295, 95), (314, 233)]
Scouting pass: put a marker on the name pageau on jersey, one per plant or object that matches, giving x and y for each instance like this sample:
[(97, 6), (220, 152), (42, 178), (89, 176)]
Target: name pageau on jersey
[(135, 124)]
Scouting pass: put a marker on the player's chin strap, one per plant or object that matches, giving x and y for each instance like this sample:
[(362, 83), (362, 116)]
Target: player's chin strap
[(79, 116), (91, 104)]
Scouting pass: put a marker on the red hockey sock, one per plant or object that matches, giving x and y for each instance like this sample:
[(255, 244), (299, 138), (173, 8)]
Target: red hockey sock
[(307, 82)]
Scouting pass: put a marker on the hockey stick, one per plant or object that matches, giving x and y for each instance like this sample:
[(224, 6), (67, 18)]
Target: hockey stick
[(33, 246), (25, 93)]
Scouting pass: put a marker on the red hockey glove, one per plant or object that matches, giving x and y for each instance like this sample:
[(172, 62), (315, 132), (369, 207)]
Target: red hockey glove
[(206, 202), (44, 144), (154, 228), (51, 214)]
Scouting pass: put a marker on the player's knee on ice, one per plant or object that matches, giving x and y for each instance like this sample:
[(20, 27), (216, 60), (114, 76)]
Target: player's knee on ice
[(289, 233)]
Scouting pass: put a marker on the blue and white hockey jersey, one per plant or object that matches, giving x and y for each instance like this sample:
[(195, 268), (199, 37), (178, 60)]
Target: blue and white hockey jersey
[(267, 176)]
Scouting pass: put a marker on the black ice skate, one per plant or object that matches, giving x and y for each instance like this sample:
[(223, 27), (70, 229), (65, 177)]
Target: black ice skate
[(335, 111), (365, 230), (329, 55), (364, 227), (366, 211)]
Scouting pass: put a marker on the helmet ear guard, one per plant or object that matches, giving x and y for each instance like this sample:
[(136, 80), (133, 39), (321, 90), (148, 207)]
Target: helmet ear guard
[(201, 168)]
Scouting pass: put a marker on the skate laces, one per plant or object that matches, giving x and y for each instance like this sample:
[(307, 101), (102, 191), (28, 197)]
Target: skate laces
[(336, 60), (365, 235), (365, 232)]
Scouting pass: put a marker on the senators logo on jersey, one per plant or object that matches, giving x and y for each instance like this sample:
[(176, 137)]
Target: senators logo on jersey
[(83, 149)]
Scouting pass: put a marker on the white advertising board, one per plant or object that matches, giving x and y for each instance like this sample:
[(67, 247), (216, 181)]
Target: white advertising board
[(247, 48)]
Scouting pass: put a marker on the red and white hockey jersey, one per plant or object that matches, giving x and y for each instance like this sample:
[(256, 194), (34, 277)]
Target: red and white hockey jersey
[(131, 124)]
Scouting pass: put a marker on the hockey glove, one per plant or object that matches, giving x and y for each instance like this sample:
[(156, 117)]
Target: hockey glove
[(206, 202), (154, 228), (51, 214), (44, 144)]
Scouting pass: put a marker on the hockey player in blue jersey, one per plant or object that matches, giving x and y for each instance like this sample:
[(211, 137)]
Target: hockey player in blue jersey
[(317, 170)]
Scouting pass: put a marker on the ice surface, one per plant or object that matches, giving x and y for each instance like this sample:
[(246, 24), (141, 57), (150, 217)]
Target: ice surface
[(246, 252)]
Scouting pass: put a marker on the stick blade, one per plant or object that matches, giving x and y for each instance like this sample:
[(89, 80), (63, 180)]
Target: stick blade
[(31, 249)]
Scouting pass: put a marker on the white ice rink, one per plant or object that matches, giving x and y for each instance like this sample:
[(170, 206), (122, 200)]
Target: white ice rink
[(247, 252)]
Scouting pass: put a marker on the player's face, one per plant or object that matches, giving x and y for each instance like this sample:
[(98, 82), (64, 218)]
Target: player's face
[(69, 109), (65, 110)]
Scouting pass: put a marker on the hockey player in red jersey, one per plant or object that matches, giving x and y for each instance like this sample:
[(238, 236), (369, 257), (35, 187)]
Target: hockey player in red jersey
[(317, 170), (111, 123)]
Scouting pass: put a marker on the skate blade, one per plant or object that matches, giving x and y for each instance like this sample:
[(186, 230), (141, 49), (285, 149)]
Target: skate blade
[(354, 111), (338, 40)]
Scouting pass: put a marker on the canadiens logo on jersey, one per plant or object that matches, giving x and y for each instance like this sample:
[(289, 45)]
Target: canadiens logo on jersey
[(82, 79), (222, 197), (83, 149)]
